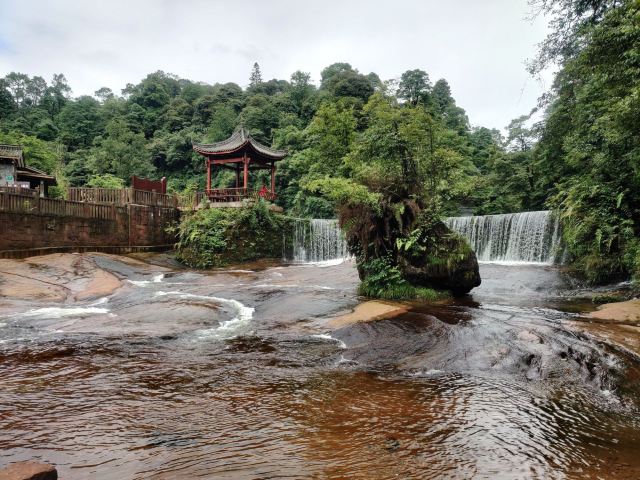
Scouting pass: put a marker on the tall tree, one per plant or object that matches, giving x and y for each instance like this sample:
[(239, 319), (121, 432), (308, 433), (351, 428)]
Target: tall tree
[(256, 76)]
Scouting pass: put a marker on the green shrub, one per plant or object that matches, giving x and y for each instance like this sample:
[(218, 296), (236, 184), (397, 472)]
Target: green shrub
[(214, 237), (105, 180)]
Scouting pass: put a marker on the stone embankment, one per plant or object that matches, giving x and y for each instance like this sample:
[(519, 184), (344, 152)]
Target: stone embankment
[(33, 226)]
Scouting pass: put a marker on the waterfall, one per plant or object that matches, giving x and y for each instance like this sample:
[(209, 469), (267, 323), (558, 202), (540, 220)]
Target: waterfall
[(530, 237), (318, 240)]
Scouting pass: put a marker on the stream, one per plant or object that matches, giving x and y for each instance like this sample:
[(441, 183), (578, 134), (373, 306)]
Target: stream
[(235, 374)]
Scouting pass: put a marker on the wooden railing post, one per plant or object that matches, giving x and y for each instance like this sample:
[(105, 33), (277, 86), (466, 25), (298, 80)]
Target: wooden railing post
[(36, 201)]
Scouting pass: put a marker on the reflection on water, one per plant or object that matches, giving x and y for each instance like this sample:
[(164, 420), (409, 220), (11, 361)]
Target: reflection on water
[(490, 387)]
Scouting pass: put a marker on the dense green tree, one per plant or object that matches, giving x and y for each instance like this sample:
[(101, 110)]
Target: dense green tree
[(414, 87), (301, 90), (571, 22), (80, 122), (103, 94), (178, 114), (120, 152), (260, 116), (332, 70), (18, 85), (56, 95), (7, 105), (223, 121), (341, 80), (445, 106), (350, 84)]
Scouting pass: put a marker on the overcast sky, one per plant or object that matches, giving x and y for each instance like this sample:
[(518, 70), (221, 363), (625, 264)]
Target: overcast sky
[(479, 46)]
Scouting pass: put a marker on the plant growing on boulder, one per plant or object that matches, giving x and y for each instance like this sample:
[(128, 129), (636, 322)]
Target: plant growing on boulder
[(389, 207)]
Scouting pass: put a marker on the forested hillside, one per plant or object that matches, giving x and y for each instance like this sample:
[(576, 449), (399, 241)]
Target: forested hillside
[(147, 130), (582, 159)]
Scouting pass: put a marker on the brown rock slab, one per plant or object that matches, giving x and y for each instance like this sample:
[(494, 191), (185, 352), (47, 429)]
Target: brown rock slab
[(368, 312), (619, 311), (29, 471)]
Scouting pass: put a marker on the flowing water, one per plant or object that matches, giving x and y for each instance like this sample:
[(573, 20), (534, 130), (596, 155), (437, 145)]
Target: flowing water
[(236, 374), (318, 240), (529, 237)]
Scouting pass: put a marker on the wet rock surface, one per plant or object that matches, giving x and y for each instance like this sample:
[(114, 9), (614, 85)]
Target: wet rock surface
[(29, 471), (239, 373)]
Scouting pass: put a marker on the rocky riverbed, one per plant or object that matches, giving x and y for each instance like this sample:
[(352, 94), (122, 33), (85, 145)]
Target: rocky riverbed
[(122, 367)]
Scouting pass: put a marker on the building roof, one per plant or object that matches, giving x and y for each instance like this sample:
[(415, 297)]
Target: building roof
[(32, 172), (240, 139), (14, 152)]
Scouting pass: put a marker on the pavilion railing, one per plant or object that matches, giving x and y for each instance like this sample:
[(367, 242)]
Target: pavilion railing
[(237, 194)]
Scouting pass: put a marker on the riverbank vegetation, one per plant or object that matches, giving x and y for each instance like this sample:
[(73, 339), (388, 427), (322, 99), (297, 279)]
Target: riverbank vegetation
[(386, 150), (216, 237)]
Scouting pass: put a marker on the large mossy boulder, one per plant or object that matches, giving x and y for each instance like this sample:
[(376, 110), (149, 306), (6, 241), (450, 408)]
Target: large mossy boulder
[(434, 256)]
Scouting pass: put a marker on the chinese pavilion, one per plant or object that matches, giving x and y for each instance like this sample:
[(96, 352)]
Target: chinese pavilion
[(241, 153)]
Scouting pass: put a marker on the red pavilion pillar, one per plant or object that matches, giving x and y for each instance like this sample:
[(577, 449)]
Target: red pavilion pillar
[(246, 173), (208, 174), (273, 178)]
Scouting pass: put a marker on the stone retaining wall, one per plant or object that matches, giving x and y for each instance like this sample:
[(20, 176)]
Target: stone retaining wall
[(130, 226)]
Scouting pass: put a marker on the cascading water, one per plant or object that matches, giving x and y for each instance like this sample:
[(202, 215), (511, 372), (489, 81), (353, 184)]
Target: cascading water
[(531, 237), (318, 240)]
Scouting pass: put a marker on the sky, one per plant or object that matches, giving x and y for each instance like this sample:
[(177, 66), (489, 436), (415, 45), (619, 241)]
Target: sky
[(479, 47)]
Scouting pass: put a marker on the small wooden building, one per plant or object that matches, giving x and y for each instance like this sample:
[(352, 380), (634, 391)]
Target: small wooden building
[(240, 153), (14, 173)]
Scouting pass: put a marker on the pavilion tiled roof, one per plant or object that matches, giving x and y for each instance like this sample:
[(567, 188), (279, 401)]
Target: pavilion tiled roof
[(14, 152), (238, 140)]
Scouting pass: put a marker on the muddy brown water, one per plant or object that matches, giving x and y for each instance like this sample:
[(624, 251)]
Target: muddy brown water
[(234, 374)]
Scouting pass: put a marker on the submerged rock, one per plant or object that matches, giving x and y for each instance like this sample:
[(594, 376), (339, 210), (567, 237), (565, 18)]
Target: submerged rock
[(446, 262), (29, 471)]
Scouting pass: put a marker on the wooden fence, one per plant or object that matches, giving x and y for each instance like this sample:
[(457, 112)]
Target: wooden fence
[(17, 189), (32, 203), (121, 196)]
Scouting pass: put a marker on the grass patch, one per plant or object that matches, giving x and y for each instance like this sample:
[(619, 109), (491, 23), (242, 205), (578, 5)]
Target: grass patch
[(384, 280), (402, 292)]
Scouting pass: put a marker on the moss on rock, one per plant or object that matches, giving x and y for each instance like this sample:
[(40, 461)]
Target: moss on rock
[(440, 259)]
